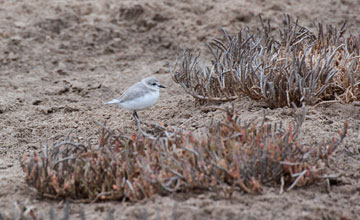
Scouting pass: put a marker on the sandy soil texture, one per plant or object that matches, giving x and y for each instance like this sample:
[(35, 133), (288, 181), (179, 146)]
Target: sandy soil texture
[(61, 60)]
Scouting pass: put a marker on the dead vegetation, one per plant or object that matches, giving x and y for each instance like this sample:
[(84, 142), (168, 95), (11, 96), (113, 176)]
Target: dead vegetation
[(299, 66), (228, 156)]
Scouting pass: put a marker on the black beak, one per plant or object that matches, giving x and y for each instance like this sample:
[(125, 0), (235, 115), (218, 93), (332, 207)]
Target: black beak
[(161, 86)]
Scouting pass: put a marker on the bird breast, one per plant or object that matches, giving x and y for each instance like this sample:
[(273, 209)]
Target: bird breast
[(142, 102)]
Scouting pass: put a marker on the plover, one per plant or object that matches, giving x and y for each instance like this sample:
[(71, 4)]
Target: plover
[(141, 95)]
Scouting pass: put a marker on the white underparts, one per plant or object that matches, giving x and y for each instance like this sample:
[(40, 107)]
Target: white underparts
[(139, 103)]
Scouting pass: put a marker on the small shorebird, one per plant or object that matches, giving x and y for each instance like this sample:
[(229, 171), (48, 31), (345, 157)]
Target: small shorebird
[(141, 95)]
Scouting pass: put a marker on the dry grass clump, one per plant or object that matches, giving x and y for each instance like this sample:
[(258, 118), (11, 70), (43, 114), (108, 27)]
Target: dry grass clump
[(227, 156), (298, 66)]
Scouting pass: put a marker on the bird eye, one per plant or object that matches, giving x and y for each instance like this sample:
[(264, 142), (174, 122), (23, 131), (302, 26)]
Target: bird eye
[(154, 84)]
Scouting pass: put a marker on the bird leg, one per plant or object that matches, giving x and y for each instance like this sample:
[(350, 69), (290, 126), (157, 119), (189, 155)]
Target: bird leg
[(135, 115)]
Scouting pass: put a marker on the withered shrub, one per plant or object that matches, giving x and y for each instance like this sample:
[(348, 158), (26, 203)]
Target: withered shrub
[(298, 66), (227, 156)]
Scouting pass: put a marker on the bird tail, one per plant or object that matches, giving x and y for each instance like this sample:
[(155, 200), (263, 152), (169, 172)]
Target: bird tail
[(114, 101)]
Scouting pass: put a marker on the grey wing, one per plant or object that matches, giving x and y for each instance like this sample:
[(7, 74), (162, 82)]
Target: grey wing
[(137, 90)]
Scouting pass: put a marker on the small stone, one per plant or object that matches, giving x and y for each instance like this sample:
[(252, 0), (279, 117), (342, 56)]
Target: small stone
[(36, 102)]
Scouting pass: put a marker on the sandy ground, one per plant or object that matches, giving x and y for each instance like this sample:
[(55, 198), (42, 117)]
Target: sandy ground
[(61, 60)]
